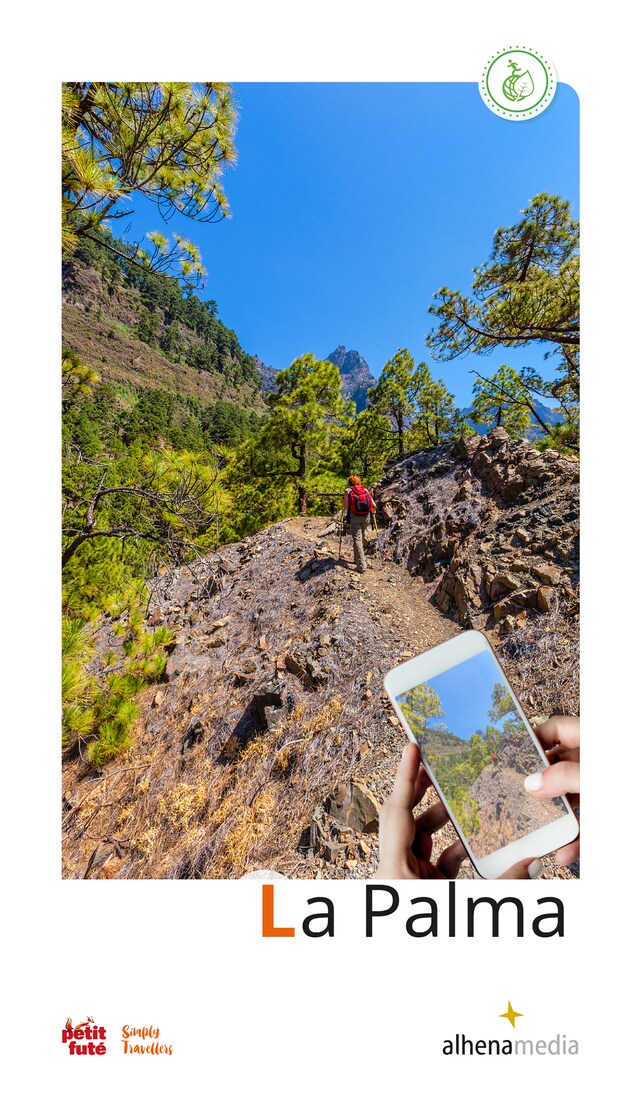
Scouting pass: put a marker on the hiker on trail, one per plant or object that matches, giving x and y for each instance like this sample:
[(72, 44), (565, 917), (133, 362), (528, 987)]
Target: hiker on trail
[(358, 505)]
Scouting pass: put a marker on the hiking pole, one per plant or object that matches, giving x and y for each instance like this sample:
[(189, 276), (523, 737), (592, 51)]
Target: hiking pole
[(340, 540), (375, 528)]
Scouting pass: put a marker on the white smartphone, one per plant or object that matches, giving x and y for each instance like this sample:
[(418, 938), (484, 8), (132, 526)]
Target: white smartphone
[(456, 704)]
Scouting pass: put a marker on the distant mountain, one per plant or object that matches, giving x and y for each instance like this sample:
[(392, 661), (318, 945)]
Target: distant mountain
[(357, 379), (355, 374), (534, 433)]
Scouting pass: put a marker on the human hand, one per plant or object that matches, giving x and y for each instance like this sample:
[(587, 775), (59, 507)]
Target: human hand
[(560, 738), (406, 842)]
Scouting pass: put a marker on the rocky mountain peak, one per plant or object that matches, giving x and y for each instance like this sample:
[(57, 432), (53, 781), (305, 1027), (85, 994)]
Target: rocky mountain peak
[(338, 357), (355, 373)]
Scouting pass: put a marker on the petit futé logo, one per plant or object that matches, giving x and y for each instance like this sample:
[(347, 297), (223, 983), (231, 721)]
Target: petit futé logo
[(86, 1038), (518, 83)]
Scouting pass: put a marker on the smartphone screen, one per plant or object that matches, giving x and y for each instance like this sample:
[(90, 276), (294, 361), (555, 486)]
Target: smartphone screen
[(472, 737)]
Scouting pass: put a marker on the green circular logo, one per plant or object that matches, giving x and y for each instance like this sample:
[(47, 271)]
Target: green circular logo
[(518, 83)]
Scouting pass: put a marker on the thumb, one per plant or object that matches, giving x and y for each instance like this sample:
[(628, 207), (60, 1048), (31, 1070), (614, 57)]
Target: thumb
[(397, 825), (560, 779), (524, 869), (401, 797)]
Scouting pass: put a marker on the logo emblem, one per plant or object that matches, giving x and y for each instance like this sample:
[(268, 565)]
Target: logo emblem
[(518, 83), (85, 1038)]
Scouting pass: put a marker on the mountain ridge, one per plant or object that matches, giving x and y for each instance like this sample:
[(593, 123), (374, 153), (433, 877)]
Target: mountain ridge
[(103, 314), (534, 432)]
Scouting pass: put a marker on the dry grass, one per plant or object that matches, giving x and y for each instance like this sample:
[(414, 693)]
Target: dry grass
[(241, 798), (543, 661), (182, 804), (217, 814)]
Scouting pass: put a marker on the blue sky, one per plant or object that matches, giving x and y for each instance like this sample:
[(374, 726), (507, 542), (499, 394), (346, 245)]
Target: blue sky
[(353, 203), (465, 694)]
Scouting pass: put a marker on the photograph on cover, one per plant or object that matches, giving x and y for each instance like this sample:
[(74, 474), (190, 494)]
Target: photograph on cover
[(320, 413)]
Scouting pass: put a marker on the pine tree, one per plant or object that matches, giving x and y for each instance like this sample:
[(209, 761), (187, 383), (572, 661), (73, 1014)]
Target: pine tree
[(394, 395), (76, 377), (169, 141), (148, 327), (171, 342), (501, 401), (306, 425), (420, 705), (438, 420), (368, 445), (527, 292)]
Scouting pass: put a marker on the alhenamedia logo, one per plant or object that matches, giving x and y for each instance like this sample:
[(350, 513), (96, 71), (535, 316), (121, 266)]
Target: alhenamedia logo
[(86, 1038), (518, 83), (560, 1044)]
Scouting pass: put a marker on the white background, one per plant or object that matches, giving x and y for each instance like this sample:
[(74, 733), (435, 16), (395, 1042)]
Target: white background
[(299, 1017)]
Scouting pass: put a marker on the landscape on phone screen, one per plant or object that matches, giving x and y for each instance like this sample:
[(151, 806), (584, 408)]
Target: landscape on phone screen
[(470, 732)]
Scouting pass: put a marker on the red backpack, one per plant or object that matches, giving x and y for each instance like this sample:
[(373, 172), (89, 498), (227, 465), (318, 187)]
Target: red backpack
[(359, 501)]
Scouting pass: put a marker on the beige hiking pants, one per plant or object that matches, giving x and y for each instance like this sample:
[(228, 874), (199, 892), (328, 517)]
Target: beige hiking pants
[(357, 525)]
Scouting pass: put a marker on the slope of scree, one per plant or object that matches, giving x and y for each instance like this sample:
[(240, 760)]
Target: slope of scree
[(271, 743)]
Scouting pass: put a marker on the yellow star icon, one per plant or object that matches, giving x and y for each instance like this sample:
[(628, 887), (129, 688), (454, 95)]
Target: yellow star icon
[(511, 1015)]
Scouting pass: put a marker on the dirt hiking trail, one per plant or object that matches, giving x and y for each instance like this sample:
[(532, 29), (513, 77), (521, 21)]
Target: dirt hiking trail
[(393, 595)]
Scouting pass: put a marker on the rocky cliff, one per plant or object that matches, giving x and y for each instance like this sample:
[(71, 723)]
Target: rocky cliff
[(491, 525), (267, 374)]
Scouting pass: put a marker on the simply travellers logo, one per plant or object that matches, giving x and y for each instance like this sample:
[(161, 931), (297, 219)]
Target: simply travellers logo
[(518, 83)]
